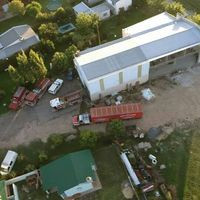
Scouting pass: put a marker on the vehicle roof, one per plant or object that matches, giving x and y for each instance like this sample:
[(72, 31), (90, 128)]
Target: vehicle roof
[(42, 84), (31, 96), (115, 110), (19, 92), (9, 156)]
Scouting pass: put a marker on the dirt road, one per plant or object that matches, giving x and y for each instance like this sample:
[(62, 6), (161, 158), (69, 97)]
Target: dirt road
[(173, 102)]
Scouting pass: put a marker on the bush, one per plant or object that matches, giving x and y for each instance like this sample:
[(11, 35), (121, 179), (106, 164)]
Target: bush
[(17, 7), (116, 128), (42, 156), (195, 18), (88, 139), (29, 168), (2, 94), (174, 8), (55, 140)]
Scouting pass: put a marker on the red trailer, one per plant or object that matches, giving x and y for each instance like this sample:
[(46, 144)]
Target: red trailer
[(108, 113), (40, 88), (18, 98)]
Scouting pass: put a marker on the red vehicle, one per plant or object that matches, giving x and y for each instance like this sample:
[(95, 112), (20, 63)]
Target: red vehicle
[(18, 98), (108, 113), (40, 88)]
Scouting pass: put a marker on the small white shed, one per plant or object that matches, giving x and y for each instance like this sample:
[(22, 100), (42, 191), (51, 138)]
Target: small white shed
[(102, 10)]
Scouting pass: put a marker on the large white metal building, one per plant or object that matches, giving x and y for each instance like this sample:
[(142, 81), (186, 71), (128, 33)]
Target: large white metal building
[(161, 44)]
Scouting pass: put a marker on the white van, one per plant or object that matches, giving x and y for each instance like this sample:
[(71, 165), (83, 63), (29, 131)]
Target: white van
[(8, 162), (55, 86)]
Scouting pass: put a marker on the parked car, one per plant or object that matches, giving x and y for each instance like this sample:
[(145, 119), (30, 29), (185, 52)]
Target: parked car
[(55, 86), (8, 162)]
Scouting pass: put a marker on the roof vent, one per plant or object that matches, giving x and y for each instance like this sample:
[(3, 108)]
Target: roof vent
[(21, 38), (89, 179)]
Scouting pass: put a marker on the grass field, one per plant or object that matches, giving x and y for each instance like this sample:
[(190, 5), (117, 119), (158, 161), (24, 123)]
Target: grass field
[(7, 85), (111, 173), (174, 153), (193, 5), (192, 183)]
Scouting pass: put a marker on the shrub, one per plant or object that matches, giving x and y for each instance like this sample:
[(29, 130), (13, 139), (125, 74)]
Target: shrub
[(17, 7), (88, 139), (42, 156), (174, 8), (116, 128), (55, 140)]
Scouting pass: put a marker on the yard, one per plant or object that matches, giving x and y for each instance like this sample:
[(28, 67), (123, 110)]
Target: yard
[(109, 166)]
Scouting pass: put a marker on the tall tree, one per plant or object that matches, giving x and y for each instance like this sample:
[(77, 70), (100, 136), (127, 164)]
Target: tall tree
[(17, 7), (59, 62), (69, 52), (33, 8), (48, 31), (37, 65)]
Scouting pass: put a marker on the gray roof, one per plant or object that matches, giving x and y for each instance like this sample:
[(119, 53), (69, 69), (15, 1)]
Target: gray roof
[(82, 8), (144, 52), (16, 39), (101, 8), (113, 63)]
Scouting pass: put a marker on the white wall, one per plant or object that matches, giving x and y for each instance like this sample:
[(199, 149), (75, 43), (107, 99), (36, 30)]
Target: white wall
[(111, 81), (122, 4)]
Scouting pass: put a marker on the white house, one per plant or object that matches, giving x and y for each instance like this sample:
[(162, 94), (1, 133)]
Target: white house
[(116, 5), (149, 49), (102, 10), (16, 39)]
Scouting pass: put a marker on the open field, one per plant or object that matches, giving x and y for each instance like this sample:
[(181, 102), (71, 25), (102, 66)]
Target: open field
[(192, 183)]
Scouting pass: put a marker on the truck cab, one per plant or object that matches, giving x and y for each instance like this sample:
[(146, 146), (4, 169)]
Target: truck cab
[(81, 119)]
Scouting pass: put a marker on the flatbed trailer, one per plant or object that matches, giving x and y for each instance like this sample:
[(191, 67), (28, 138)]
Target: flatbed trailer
[(109, 113), (67, 100)]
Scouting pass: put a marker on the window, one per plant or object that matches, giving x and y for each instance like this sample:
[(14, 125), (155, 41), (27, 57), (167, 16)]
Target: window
[(120, 77), (139, 71), (101, 82)]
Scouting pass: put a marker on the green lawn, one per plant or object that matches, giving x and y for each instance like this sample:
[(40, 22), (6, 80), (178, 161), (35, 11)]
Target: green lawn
[(111, 173), (192, 184), (175, 155), (193, 5), (9, 87)]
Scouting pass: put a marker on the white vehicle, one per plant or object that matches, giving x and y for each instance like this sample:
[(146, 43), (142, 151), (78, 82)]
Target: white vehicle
[(8, 162), (55, 86)]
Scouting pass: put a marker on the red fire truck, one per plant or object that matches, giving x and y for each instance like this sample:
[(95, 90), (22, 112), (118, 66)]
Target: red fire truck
[(40, 88), (18, 98), (108, 113)]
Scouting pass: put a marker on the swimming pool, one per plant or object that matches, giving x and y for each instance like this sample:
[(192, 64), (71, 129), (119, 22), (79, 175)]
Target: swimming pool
[(66, 28)]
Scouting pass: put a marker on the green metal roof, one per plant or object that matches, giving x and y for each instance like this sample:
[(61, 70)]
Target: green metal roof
[(2, 191), (68, 171)]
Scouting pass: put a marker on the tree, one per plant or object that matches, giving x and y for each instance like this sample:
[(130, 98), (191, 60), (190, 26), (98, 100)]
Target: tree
[(28, 70), (69, 52), (44, 16), (116, 128), (48, 31), (195, 18), (59, 62), (37, 65), (60, 15), (47, 46), (88, 139), (174, 8), (17, 7), (33, 8)]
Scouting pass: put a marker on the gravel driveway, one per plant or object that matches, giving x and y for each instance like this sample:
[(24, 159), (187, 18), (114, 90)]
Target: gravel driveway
[(174, 102)]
